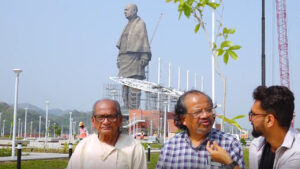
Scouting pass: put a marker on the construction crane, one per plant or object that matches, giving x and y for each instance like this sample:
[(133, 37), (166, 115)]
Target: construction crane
[(282, 43)]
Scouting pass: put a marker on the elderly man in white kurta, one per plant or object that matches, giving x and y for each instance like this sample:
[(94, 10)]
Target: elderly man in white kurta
[(109, 149)]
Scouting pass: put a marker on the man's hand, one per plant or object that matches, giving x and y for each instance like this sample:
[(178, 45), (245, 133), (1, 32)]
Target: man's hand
[(218, 154)]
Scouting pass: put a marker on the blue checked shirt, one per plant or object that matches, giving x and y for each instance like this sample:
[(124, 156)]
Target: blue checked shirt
[(178, 152)]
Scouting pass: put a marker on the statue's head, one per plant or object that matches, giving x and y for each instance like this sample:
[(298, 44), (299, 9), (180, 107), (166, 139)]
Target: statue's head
[(130, 11)]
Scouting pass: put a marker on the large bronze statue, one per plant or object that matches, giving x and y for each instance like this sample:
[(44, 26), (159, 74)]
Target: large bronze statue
[(134, 54)]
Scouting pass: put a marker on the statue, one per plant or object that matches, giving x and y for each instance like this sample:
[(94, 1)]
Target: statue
[(134, 54)]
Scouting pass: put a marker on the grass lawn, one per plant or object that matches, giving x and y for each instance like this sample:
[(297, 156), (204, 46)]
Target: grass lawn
[(37, 164), (62, 163)]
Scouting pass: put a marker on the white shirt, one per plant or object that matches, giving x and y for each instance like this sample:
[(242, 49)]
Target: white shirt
[(287, 156), (91, 153)]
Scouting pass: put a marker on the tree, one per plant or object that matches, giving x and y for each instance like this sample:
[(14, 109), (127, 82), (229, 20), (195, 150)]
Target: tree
[(224, 48)]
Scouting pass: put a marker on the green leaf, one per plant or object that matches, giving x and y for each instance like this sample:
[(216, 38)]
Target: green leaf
[(187, 9), (238, 117), (213, 5), (231, 121), (214, 45), (169, 1), (181, 2), (200, 4), (226, 43), (226, 57), (225, 30), (235, 47), (219, 52), (190, 2), (180, 13), (237, 125), (197, 27), (231, 31), (233, 54)]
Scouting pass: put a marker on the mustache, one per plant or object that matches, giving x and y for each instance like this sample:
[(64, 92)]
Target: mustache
[(204, 120)]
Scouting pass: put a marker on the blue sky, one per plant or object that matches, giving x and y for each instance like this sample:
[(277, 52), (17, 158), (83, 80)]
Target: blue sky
[(66, 49)]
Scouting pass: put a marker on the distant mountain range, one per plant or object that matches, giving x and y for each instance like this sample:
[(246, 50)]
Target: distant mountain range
[(55, 111), (60, 117)]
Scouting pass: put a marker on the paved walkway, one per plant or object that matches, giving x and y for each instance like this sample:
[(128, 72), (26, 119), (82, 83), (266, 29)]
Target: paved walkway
[(35, 156), (45, 156)]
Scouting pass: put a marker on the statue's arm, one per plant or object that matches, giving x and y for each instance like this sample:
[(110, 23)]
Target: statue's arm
[(145, 58)]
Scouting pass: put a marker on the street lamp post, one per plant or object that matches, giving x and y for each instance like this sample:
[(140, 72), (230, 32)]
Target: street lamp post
[(165, 122), (40, 126), (160, 126), (17, 71), (26, 109), (134, 129), (19, 127), (31, 129), (151, 128), (62, 131), (3, 127), (129, 127), (0, 118), (70, 128), (49, 126), (54, 126), (46, 123)]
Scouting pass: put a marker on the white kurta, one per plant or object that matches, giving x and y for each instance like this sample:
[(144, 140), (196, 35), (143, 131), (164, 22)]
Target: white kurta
[(91, 153)]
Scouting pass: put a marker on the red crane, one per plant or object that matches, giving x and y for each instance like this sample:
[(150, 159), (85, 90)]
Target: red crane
[(283, 43)]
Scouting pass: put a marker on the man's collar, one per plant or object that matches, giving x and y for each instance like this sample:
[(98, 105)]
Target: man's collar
[(207, 138), (289, 138)]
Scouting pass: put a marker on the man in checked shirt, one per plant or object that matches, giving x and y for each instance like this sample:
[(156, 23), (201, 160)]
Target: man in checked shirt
[(199, 145)]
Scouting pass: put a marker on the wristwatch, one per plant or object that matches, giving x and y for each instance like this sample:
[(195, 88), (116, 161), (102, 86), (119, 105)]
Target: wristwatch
[(231, 165)]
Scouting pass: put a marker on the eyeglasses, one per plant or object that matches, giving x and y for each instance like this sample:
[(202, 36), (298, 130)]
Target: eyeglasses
[(209, 111), (111, 118), (251, 114)]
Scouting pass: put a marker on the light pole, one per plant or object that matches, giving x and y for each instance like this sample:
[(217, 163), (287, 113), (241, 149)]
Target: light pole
[(62, 131), (0, 118), (17, 71), (31, 129), (26, 109), (133, 133), (54, 127), (74, 127), (19, 128), (213, 58), (151, 128), (46, 123), (168, 129), (129, 127), (49, 128), (165, 122), (3, 127), (70, 128), (40, 126)]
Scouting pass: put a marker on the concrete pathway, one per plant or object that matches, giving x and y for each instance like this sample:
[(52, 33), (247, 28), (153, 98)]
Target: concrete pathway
[(35, 156), (45, 156)]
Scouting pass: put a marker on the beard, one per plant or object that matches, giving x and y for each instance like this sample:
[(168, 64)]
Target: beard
[(206, 130), (256, 133)]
